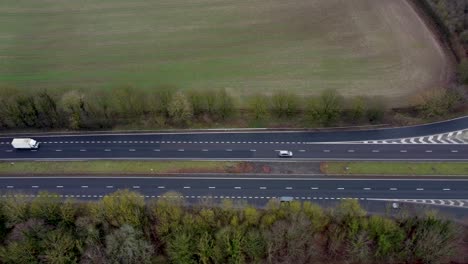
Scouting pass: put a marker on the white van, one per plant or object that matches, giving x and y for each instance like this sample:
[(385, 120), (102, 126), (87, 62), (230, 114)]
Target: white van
[(24, 143)]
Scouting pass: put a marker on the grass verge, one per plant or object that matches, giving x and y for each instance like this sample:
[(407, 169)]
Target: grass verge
[(120, 167), (395, 168)]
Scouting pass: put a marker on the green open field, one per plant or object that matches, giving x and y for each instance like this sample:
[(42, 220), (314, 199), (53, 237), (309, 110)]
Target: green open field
[(368, 47)]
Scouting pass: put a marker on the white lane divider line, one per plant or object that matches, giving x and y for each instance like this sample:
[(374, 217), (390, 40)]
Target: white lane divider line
[(181, 150), (263, 188), (340, 188), (237, 188), (288, 188), (136, 187), (161, 187), (375, 151), (58, 150), (35, 186), (419, 189), (302, 150), (9, 150), (454, 151), (84, 186), (393, 189), (131, 150), (403, 151), (228, 149), (59, 186), (428, 151), (211, 187), (157, 150), (446, 189), (186, 187), (253, 150), (82, 150), (314, 188), (107, 150), (367, 189), (109, 186), (326, 150), (351, 150), (10, 187), (205, 150)]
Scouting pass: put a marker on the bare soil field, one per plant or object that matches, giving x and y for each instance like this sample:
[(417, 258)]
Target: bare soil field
[(358, 47)]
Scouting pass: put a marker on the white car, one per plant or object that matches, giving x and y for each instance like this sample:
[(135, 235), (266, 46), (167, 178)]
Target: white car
[(285, 154)]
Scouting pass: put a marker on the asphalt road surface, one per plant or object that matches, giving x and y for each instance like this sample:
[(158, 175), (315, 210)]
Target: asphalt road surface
[(339, 145), (255, 190)]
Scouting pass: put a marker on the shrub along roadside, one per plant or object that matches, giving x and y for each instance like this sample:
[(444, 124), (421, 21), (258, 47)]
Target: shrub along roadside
[(167, 107), (124, 228)]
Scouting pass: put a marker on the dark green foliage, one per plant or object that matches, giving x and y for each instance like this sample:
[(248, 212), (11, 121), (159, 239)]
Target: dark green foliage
[(284, 104), (180, 110), (166, 107), (123, 229), (463, 71), (258, 106), (224, 106), (327, 108), (438, 103), (126, 246), (464, 37)]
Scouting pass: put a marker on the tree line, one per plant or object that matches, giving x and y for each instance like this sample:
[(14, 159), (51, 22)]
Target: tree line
[(169, 107), (451, 18), (124, 228)]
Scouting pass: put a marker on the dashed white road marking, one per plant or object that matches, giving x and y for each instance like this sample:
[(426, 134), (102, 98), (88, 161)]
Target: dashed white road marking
[(446, 189), (326, 150), (58, 150), (237, 188), (314, 188), (109, 186), (288, 188), (35, 186), (181, 150), (205, 150), (253, 150), (211, 187), (186, 187), (263, 188), (157, 150), (59, 186), (419, 189), (10, 187), (84, 186), (132, 150), (136, 187), (107, 150), (340, 188), (82, 150), (393, 189), (454, 151), (428, 151), (228, 149), (161, 187), (403, 151), (367, 189), (351, 150), (9, 150), (375, 150)]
